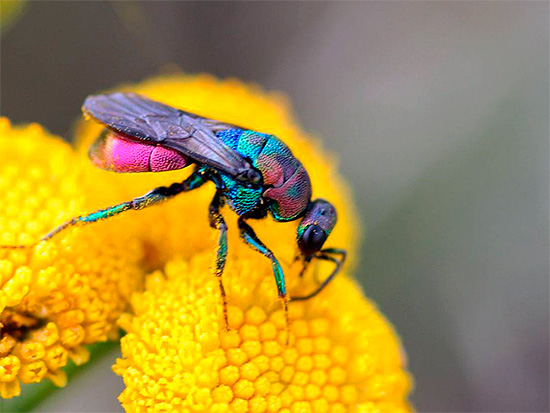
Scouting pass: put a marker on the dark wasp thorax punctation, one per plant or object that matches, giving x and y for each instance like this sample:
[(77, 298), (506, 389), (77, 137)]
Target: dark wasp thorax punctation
[(285, 181)]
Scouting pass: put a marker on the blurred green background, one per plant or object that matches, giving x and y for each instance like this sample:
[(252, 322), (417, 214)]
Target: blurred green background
[(439, 113)]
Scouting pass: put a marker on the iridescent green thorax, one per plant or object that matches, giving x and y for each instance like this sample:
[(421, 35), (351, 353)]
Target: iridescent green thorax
[(285, 181), (240, 198)]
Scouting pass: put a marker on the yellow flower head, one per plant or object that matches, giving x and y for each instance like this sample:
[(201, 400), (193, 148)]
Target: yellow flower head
[(342, 354), (64, 293)]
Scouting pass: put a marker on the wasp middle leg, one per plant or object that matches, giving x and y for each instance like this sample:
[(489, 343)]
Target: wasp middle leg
[(250, 237), (217, 222)]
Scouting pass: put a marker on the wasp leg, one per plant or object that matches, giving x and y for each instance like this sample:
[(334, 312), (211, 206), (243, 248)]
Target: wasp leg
[(250, 237), (336, 270), (336, 251), (156, 196), (217, 222), (306, 262)]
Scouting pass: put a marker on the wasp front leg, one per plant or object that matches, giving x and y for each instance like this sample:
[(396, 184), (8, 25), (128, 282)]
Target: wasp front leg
[(250, 237), (323, 255), (153, 197), (217, 222)]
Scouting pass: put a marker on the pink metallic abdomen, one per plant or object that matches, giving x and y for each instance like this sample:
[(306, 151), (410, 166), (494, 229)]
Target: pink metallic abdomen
[(118, 153)]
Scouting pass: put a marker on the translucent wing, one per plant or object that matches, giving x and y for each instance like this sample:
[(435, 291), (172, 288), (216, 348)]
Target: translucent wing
[(144, 119)]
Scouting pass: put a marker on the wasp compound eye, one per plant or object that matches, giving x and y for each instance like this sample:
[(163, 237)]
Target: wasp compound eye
[(312, 240), (316, 226)]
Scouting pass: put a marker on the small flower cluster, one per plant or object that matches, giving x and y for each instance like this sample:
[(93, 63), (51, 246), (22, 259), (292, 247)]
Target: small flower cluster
[(65, 293)]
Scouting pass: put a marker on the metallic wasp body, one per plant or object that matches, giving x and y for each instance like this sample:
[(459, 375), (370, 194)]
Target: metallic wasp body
[(254, 173)]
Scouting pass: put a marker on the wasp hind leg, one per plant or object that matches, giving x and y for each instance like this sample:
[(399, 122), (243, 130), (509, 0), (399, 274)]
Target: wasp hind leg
[(217, 222), (324, 256), (250, 237), (153, 197)]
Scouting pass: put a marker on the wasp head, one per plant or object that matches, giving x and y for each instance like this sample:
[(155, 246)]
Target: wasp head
[(315, 227)]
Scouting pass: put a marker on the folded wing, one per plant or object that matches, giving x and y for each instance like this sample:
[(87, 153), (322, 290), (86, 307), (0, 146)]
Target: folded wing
[(143, 119)]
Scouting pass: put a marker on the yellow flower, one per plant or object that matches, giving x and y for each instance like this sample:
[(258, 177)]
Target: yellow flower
[(342, 354), (65, 293)]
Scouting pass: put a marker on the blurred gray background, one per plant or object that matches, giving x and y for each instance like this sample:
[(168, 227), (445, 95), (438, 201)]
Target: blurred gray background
[(439, 112)]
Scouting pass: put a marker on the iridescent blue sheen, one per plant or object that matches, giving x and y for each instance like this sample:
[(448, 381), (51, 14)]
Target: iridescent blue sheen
[(240, 198), (287, 184), (251, 144), (231, 137)]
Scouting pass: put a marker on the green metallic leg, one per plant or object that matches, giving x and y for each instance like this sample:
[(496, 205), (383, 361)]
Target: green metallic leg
[(250, 237), (217, 222), (323, 256), (156, 196)]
